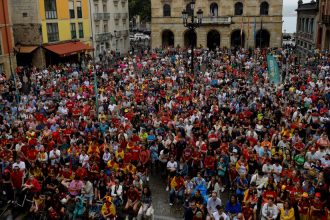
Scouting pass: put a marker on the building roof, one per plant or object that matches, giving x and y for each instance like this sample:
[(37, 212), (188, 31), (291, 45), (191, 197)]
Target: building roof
[(308, 6), (68, 48)]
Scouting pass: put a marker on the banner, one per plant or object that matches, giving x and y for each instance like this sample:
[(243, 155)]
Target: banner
[(273, 70)]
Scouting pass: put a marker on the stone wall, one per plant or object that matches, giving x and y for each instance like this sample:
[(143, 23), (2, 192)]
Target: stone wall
[(28, 34), (4, 59)]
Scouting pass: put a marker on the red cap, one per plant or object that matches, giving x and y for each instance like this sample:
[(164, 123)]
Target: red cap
[(318, 194)]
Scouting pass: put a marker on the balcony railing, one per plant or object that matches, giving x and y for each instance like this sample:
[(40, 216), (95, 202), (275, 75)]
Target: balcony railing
[(101, 16), (124, 33), (115, 2), (123, 1), (103, 37), (117, 16), (326, 19), (216, 20), (106, 16), (304, 35)]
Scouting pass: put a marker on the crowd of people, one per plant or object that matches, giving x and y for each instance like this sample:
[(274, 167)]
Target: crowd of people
[(83, 141)]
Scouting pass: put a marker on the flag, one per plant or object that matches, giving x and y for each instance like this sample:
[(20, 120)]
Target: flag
[(273, 69)]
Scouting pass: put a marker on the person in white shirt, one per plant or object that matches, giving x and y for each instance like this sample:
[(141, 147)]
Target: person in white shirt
[(269, 210), (83, 159), (20, 164), (267, 168), (106, 156), (220, 214), (172, 167), (212, 203), (54, 156), (87, 190), (277, 170), (117, 191)]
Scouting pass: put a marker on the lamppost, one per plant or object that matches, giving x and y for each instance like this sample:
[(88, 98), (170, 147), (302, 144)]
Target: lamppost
[(117, 36), (194, 23)]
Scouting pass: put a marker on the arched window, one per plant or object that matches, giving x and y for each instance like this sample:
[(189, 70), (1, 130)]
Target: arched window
[(311, 26), (239, 8), (189, 10), (306, 25), (214, 9), (167, 10), (264, 8)]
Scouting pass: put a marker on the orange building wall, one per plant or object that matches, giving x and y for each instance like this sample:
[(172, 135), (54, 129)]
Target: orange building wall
[(4, 17)]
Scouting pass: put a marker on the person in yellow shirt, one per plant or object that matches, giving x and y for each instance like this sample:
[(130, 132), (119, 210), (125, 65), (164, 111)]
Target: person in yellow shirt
[(287, 212), (108, 210)]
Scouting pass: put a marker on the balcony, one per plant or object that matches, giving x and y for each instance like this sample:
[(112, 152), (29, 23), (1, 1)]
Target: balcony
[(124, 15), (123, 2), (101, 16), (124, 33), (103, 37), (115, 2), (117, 16), (304, 35), (326, 19), (106, 16), (216, 20)]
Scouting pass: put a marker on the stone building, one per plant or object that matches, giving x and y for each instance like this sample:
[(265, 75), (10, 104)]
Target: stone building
[(306, 34), (110, 26), (226, 23)]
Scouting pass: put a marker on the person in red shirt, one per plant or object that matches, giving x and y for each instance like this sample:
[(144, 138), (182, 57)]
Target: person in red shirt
[(135, 150), (32, 185), (133, 198), (317, 211), (209, 163), (17, 178)]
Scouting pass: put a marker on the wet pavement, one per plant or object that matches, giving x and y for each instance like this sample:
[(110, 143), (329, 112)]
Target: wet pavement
[(160, 201)]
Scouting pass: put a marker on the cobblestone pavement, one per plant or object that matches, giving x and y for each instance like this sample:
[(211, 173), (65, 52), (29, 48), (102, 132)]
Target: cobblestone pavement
[(160, 201)]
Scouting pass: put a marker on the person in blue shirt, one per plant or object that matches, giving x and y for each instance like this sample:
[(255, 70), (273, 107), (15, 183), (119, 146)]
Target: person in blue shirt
[(233, 207)]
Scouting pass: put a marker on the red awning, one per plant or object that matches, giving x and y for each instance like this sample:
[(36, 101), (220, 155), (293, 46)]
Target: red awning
[(68, 49)]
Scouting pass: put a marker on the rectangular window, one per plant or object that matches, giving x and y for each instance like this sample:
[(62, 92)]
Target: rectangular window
[(104, 8), (71, 9), (97, 28), (96, 8), (52, 32), (81, 30), (73, 31), (105, 27), (50, 9), (79, 10)]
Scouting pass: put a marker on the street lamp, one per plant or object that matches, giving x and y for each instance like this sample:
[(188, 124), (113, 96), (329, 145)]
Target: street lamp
[(194, 23), (117, 36)]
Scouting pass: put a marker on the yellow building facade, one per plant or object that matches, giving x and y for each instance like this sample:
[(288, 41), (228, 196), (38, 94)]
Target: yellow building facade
[(61, 15)]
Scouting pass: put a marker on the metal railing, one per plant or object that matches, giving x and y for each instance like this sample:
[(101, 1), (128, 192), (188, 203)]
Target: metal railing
[(103, 36), (124, 15), (117, 16), (216, 20), (101, 16)]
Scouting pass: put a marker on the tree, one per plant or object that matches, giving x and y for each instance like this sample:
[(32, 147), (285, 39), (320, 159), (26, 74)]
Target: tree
[(140, 7)]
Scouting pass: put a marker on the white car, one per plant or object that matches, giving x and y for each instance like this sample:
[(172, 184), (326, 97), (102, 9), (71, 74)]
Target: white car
[(139, 36)]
